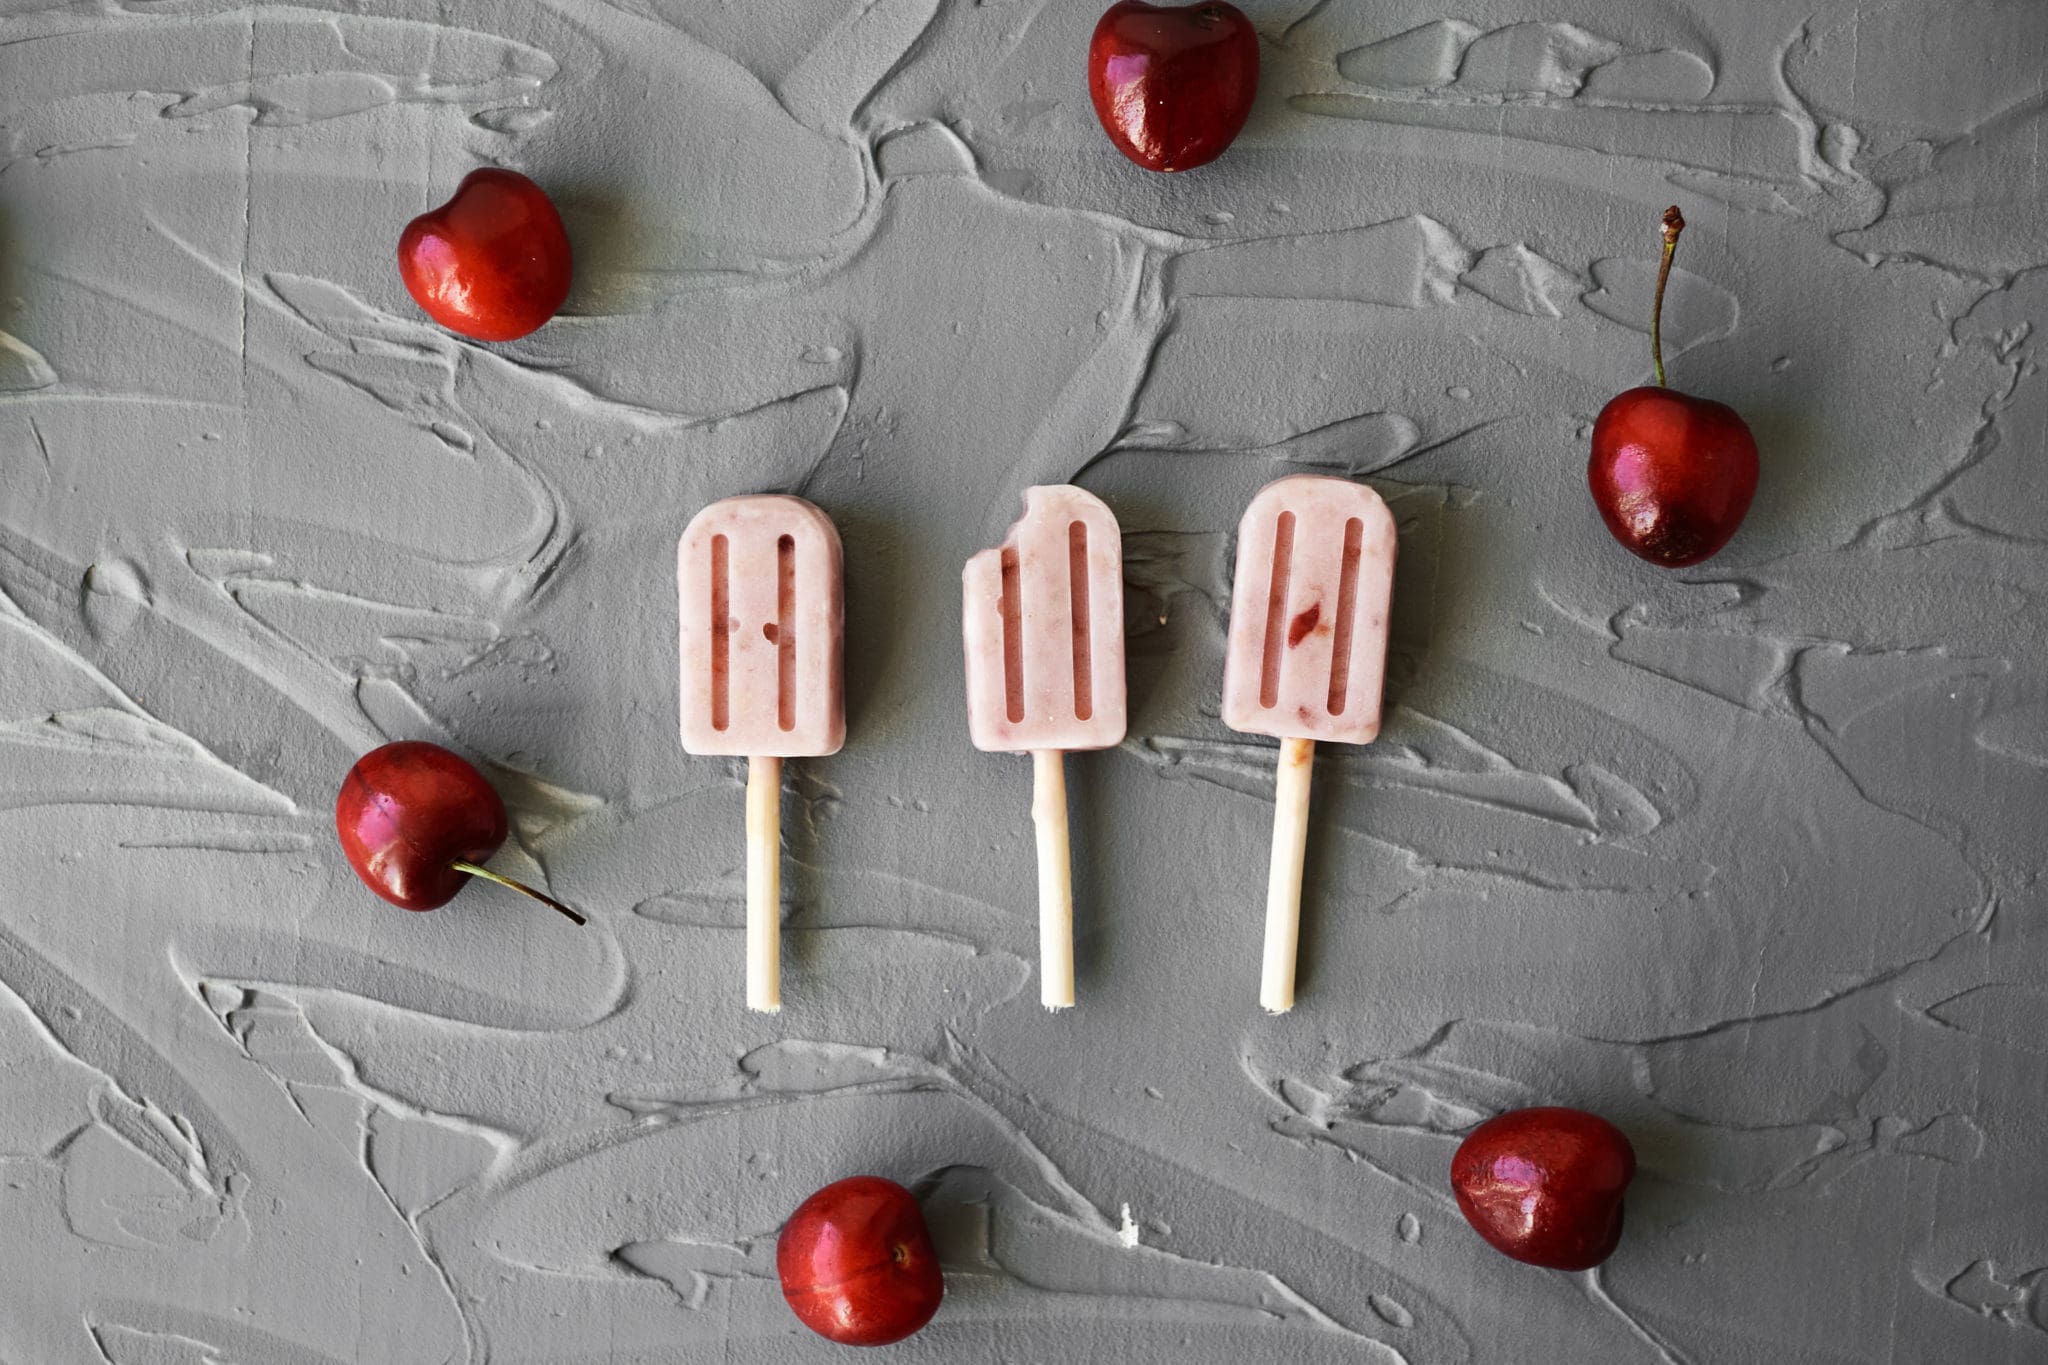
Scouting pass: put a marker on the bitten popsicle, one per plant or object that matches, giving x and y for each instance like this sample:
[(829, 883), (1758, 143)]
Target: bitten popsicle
[(1043, 615), (758, 580), (1306, 661)]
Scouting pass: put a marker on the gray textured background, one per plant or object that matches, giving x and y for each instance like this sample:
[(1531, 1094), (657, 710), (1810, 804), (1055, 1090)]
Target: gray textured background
[(1748, 858)]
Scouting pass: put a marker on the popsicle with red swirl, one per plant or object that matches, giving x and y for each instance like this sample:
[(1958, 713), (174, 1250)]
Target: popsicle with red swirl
[(1306, 661)]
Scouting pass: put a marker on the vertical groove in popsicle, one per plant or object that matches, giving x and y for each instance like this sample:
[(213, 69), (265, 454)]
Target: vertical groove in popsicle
[(1013, 637), (1276, 609), (785, 632), (1347, 607), (1077, 594), (721, 635)]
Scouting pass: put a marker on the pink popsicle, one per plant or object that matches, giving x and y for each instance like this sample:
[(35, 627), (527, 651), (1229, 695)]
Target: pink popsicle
[(1306, 661), (1043, 616), (1043, 619), (762, 624)]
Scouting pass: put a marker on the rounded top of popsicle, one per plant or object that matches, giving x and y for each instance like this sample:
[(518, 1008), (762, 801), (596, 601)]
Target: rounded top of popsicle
[(1309, 610), (760, 509), (1293, 489), (1054, 496)]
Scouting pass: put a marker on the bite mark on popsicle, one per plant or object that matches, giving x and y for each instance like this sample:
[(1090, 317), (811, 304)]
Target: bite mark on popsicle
[(1013, 636), (1276, 609), (1077, 596), (1042, 622), (721, 635), (1347, 607)]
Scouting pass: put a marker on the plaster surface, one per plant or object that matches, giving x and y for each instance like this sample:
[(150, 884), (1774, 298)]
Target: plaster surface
[(1747, 857)]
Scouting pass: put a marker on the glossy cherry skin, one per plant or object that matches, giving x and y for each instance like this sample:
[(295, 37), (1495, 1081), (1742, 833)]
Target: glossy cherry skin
[(857, 1264), (493, 262), (1672, 475), (410, 810), (1544, 1185), (1173, 86)]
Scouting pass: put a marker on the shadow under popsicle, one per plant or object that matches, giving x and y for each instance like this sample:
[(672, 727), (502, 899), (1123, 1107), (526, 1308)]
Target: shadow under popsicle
[(1087, 819)]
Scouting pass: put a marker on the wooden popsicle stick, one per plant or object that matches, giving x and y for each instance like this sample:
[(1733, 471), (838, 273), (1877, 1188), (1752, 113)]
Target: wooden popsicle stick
[(1055, 880), (1283, 875), (764, 884)]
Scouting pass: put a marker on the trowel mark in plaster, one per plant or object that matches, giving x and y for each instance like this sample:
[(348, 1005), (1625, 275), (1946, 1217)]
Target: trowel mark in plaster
[(178, 1129), (1419, 262), (998, 1092), (119, 727), (317, 66), (2014, 1299), (1401, 1112), (1452, 58), (1554, 856), (1430, 756)]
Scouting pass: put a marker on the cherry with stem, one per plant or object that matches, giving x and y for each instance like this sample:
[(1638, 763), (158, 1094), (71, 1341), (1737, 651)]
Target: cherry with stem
[(418, 821), (1674, 223), (1672, 475)]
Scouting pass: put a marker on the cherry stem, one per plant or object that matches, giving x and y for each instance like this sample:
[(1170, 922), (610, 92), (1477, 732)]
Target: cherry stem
[(521, 887), (1674, 223)]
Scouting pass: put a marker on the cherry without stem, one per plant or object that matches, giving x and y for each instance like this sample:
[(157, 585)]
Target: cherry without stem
[(1173, 86), (857, 1263), (1544, 1186), (493, 263)]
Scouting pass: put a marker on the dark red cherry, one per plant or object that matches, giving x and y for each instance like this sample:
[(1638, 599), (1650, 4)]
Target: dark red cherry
[(1672, 475), (417, 822), (1173, 86), (1544, 1185)]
